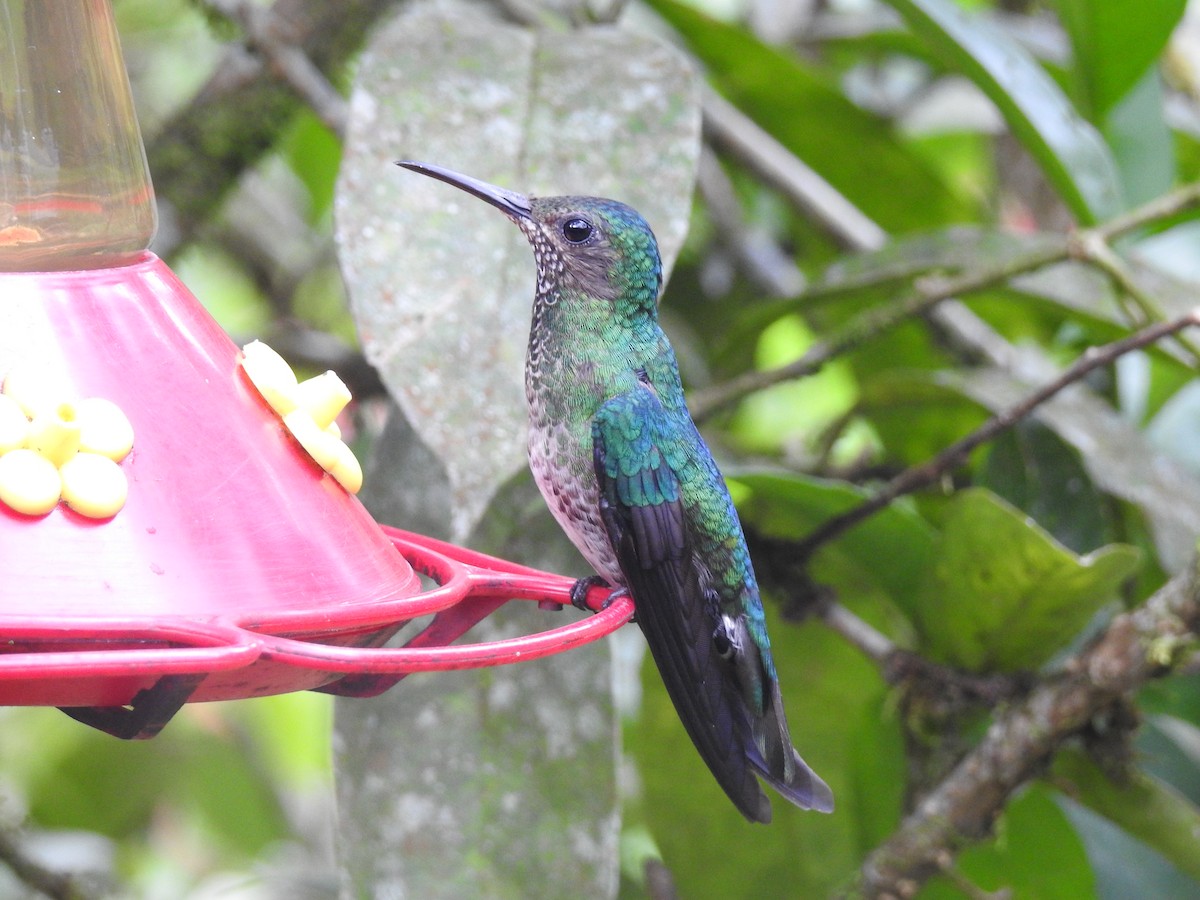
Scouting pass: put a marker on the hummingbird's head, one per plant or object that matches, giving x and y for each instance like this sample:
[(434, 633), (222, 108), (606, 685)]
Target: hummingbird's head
[(584, 247)]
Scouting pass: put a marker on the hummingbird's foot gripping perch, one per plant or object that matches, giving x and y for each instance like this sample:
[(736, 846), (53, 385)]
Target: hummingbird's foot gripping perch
[(580, 589)]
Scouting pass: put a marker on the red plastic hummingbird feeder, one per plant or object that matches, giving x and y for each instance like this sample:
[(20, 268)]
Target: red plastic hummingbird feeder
[(237, 566)]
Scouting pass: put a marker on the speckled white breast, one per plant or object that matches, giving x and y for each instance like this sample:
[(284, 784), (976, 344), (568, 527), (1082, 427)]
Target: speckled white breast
[(562, 468)]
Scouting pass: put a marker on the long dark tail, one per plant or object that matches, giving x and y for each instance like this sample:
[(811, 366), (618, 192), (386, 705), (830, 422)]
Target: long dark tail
[(679, 626)]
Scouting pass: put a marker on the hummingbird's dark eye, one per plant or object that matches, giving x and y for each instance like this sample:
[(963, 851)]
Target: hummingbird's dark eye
[(577, 230)]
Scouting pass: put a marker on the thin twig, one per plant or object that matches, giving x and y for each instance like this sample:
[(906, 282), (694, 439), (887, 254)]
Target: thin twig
[(872, 642), (762, 260), (829, 208), (1157, 210), (33, 874), (1090, 247), (268, 34), (927, 292), (932, 290), (932, 470)]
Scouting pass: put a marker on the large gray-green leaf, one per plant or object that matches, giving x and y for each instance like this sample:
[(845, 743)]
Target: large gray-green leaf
[(441, 285), (500, 782), (490, 783), (1069, 149)]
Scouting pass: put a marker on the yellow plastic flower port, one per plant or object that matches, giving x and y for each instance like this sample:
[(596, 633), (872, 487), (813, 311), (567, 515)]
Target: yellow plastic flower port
[(34, 389), (53, 449), (323, 397), (308, 409)]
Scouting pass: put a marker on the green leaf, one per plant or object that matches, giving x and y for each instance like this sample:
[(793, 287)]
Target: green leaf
[(858, 153), (1114, 43), (1068, 148), (1003, 594), (1141, 141), (796, 412), (193, 772), (229, 293), (314, 153), (914, 415), (953, 248), (1014, 862), (1118, 457), (1124, 866), (1042, 475), (897, 542), (1167, 747), (1147, 808), (1175, 428)]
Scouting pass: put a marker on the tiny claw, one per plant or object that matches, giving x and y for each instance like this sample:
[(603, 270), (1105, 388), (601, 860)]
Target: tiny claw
[(611, 597), (579, 591), (608, 601)]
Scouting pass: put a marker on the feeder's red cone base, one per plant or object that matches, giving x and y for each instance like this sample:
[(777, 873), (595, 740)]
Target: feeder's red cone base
[(237, 566), (227, 517)]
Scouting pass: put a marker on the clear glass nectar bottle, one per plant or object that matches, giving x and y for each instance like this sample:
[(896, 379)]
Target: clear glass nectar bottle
[(75, 191)]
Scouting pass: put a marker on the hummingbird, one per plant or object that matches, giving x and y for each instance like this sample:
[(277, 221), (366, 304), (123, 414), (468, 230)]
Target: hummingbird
[(628, 477)]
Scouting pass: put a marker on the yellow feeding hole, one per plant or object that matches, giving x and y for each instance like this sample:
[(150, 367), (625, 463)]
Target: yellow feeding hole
[(29, 483), (346, 469), (320, 446), (52, 449), (93, 485), (328, 451), (308, 409), (54, 433)]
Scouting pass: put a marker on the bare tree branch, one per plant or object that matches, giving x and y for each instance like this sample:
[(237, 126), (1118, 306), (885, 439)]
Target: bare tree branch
[(1146, 643), (33, 874), (740, 135), (1092, 248), (276, 38), (766, 264)]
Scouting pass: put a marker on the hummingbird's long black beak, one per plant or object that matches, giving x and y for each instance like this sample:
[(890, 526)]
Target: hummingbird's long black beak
[(512, 204)]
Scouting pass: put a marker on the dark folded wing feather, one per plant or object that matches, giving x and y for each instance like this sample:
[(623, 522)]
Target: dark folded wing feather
[(642, 508)]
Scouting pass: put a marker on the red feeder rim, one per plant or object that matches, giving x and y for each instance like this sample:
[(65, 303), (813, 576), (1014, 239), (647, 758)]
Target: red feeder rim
[(238, 567)]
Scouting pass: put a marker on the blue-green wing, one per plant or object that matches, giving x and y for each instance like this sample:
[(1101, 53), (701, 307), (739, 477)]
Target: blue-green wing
[(642, 507), (671, 525)]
